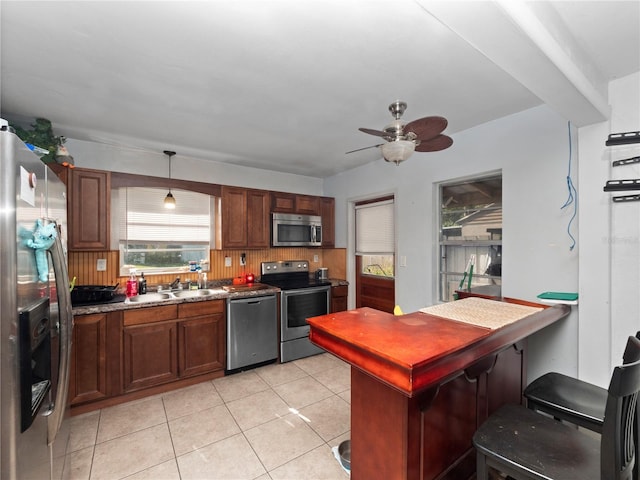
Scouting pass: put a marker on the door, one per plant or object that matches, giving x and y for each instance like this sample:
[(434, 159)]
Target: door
[(375, 254)]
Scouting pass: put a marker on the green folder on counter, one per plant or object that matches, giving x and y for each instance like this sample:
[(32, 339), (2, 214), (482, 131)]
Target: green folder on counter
[(569, 298)]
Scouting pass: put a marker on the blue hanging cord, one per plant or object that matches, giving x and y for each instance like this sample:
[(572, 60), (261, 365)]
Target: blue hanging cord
[(572, 199)]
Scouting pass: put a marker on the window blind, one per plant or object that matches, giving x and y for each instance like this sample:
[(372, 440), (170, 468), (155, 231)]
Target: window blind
[(145, 219), (375, 228)]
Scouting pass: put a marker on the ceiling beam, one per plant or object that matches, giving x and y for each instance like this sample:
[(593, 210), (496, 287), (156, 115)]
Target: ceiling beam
[(529, 41)]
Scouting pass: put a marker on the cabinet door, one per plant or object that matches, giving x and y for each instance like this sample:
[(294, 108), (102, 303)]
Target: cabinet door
[(339, 298), (328, 213), (89, 195), (234, 217), (88, 374), (95, 357), (258, 221), (150, 356), (201, 345), (307, 205), (283, 202)]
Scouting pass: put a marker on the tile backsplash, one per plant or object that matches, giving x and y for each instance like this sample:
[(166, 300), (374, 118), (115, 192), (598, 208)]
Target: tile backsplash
[(83, 265)]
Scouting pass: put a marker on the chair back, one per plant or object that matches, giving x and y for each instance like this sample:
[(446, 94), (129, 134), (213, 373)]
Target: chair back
[(617, 457), (632, 350)]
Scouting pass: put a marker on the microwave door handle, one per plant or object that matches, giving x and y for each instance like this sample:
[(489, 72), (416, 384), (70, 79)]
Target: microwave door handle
[(313, 233)]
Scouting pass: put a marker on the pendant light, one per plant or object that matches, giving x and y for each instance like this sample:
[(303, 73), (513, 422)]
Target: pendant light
[(169, 201)]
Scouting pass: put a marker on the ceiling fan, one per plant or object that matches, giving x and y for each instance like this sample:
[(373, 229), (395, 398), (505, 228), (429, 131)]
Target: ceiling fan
[(421, 135)]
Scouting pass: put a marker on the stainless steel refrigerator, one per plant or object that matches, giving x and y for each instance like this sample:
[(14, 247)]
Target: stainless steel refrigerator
[(35, 315)]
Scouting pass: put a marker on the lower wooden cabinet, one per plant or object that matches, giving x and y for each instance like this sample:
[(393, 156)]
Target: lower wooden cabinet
[(166, 343), (150, 355), (201, 338), (95, 357), (120, 354), (339, 298)]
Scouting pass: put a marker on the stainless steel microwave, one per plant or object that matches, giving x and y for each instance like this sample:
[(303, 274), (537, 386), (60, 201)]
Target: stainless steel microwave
[(292, 230)]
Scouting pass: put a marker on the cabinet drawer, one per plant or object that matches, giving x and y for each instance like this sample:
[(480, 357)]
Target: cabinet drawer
[(150, 315), (340, 291), (196, 309)]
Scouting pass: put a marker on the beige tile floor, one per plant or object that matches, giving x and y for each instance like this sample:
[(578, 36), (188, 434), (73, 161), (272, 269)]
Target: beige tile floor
[(270, 423)]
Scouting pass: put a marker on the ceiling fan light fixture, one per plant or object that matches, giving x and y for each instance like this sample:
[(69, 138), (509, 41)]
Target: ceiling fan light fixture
[(398, 150)]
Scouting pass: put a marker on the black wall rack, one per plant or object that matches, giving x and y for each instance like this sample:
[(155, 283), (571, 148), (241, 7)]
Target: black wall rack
[(626, 161), (622, 185), (623, 138)]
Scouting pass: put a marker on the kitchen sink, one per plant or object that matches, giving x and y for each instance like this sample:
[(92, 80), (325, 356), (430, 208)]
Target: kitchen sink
[(193, 293), (150, 297), (160, 296)]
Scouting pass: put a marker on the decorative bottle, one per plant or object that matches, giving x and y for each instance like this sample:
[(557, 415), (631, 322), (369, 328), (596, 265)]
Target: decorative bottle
[(132, 283)]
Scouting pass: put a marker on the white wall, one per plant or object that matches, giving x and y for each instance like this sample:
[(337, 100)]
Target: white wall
[(143, 162), (532, 150), (609, 238)]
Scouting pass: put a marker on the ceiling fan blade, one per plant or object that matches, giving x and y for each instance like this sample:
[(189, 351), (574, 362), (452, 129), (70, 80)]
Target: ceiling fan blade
[(365, 148), (426, 128), (377, 133), (440, 142)]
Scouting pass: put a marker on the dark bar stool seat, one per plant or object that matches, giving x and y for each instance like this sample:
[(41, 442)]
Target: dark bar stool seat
[(572, 400), (527, 445), (578, 402)]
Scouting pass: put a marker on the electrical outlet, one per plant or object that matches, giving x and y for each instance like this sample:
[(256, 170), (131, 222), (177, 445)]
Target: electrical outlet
[(101, 265), (315, 259), (403, 261), (227, 261), (243, 259)]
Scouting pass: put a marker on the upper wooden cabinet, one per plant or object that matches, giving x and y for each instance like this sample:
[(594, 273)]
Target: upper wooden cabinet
[(294, 203), (328, 213), (245, 218), (283, 202), (88, 202), (307, 205), (258, 219)]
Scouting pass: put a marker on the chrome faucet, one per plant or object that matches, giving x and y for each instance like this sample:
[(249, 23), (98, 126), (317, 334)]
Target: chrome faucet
[(175, 283)]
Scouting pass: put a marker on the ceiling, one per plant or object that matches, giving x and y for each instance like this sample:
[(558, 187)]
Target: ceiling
[(284, 85)]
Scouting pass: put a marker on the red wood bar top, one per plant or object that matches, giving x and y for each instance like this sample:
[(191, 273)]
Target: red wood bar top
[(416, 351)]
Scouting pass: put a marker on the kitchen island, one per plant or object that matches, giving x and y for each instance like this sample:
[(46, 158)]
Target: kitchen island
[(422, 383)]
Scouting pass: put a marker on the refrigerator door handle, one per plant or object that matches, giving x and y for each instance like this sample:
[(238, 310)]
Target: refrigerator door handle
[(65, 328)]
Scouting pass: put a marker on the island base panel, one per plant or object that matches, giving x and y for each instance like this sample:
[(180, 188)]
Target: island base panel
[(428, 436)]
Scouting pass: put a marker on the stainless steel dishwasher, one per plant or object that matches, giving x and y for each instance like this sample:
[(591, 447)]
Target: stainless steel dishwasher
[(252, 331)]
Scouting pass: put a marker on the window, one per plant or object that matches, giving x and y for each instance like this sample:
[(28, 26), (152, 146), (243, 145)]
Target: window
[(470, 226), (153, 239), (375, 238)]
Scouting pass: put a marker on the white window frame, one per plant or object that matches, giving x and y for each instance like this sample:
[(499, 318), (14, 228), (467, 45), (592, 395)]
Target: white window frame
[(447, 279)]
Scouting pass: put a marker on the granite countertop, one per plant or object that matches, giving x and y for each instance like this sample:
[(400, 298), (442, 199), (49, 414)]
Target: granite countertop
[(216, 293)]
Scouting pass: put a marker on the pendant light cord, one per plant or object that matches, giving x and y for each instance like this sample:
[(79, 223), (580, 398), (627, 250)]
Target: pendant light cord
[(572, 198)]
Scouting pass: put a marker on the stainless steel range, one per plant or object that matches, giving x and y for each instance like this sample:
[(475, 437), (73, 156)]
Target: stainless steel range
[(301, 297)]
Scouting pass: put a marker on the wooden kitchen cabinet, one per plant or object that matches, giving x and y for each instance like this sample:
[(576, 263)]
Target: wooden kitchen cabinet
[(339, 298), (88, 202), (95, 357), (283, 202), (201, 337), (328, 214), (167, 343), (245, 218), (258, 219), (307, 205), (293, 203)]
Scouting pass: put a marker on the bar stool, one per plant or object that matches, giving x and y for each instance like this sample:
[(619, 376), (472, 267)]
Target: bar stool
[(578, 402), (527, 445)]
